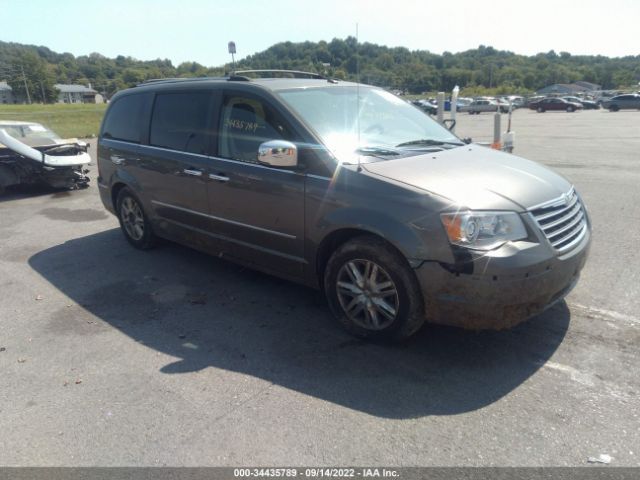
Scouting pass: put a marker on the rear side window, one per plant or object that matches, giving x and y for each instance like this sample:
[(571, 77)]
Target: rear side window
[(124, 119), (180, 121)]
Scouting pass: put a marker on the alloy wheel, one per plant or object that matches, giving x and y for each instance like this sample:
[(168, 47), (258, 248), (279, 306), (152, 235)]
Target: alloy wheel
[(132, 218), (367, 294)]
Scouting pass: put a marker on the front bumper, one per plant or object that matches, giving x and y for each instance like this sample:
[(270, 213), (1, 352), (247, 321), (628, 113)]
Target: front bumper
[(65, 177), (504, 288)]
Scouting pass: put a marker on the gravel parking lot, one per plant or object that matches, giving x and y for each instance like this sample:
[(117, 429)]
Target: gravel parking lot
[(111, 356)]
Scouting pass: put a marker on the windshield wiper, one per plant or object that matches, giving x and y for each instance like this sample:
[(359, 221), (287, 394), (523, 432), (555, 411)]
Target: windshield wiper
[(377, 151), (429, 142)]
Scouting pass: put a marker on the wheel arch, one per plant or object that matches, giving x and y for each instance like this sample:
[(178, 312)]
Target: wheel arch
[(119, 181), (334, 240)]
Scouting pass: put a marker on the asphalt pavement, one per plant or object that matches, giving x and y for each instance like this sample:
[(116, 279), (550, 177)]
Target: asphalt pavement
[(115, 357)]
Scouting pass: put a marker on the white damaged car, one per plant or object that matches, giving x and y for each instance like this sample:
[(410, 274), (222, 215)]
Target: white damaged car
[(32, 154)]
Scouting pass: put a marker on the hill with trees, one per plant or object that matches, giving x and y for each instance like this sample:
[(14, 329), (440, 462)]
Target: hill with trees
[(480, 70)]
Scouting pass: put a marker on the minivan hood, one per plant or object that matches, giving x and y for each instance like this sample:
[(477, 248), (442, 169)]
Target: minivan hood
[(476, 177)]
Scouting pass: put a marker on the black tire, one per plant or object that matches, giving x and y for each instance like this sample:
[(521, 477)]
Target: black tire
[(614, 108), (147, 239), (570, 109), (407, 301), (540, 110)]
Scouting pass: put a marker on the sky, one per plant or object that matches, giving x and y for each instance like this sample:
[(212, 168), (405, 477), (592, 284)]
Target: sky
[(199, 30)]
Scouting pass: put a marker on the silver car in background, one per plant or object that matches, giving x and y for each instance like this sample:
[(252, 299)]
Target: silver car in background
[(485, 105), (621, 102)]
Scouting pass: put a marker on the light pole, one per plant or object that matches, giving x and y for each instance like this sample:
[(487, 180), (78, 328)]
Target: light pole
[(232, 50)]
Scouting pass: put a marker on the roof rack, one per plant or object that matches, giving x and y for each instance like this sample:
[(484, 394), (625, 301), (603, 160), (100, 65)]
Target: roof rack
[(154, 80), (179, 79), (240, 75)]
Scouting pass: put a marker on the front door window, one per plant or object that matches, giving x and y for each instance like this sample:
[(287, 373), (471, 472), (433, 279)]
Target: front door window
[(245, 124)]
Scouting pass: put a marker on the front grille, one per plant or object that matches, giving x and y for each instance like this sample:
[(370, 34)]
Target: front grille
[(563, 221)]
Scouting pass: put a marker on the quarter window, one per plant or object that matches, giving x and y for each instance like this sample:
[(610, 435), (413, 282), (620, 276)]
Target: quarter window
[(180, 122), (246, 123), (124, 119)]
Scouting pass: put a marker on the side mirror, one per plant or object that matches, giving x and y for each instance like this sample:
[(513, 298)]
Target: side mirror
[(449, 123), (278, 153)]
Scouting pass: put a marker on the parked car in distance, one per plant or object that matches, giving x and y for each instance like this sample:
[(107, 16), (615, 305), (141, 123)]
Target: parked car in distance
[(621, 102), (533, 99), (604, 95), (516, 101), (505, 104), (586, 104), (479, 106), (30, 153), (396, 221), (426, 106), (555, 104), (462, 104)]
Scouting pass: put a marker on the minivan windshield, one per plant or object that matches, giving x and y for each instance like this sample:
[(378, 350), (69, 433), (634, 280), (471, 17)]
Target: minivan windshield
[(369, 122)]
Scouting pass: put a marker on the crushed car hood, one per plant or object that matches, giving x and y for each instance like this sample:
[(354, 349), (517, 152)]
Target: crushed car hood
[(26, 151), (476, 177)]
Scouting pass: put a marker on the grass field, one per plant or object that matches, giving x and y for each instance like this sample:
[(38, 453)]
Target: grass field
[(78, 120)]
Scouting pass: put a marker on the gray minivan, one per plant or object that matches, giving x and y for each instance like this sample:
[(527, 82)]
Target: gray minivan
[(345, 188)]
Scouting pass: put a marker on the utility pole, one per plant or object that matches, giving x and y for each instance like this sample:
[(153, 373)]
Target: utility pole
[(232, 50), (26, 87)]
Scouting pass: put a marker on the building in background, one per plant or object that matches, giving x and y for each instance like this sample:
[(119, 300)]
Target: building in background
[(6, 93), (77, 94), (569, 88)]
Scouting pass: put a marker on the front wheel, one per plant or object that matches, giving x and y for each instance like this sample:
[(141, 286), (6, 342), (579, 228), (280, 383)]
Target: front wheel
[(133, 221), (372, 290), (540, 110), (570, 109), (613, 108)]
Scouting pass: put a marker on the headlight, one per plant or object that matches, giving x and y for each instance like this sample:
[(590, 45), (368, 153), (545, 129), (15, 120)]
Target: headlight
[(483, 230)]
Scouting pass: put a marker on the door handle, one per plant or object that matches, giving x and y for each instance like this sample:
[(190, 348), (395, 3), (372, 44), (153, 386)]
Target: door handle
[(117, 159), (219, 178), (195, 173)]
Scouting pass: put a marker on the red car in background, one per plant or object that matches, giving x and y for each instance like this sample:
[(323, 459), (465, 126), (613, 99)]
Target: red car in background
[(554, 103)]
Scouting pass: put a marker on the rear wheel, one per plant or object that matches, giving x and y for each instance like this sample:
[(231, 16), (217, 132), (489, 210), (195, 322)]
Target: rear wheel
[(133, 221), (372, 290)]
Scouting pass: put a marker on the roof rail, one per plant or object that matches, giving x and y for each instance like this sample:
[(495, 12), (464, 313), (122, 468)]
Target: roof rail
[(240, 74), (178, 79), (154, 80)]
